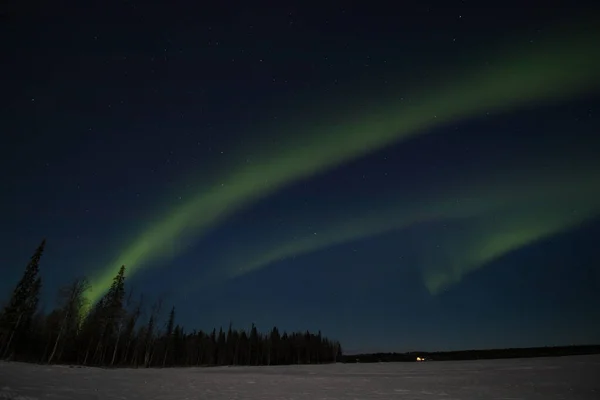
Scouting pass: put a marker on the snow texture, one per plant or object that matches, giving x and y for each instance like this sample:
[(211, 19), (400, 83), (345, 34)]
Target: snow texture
[(575, 377)]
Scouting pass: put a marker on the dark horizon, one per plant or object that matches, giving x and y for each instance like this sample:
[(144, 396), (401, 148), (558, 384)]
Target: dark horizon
[(415, 176), (350, 353)]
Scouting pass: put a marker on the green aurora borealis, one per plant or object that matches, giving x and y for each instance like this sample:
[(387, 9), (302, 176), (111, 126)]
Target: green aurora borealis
[(502, 212), (500, 218)]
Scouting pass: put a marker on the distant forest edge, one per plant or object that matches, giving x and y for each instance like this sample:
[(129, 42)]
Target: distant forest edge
[(487, 354), (117, 332)]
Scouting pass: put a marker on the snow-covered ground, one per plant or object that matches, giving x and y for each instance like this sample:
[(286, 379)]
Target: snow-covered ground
[(540, 378)]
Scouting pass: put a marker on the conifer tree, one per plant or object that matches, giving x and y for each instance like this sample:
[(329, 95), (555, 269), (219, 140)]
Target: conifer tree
[(73, 302), (149, 338), (221, 348), (17, 314), (253, 351), (109, 317), (115, 310), (170, 326), (129, 336)]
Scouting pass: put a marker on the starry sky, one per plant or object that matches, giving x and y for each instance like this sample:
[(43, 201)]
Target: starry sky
[(402, 177)]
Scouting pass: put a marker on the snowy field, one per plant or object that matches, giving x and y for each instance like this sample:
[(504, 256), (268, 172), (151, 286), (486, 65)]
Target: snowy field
[(575, 377)]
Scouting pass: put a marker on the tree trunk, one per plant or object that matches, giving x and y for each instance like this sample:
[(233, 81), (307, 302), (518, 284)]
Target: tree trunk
[(148, 355), (269, 354), (62, 328), (112, 361), (134, 355), (200, 355), (87, 351), (165, 356), (46, 347), (97, 351), (126, 353), (12, 334)]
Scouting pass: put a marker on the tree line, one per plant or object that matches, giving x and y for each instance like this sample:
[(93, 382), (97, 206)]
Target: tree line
[(117, 330), (480, 354)]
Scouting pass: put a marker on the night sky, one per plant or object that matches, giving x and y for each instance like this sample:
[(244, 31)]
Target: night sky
[(418, 176)]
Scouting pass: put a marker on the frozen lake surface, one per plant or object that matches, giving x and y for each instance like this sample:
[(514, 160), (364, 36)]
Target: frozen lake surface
[(576, 377)]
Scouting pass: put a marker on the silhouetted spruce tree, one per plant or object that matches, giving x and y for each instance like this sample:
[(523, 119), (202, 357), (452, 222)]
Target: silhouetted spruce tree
[(253, 346), (115, 310), (107, 318), (16, 315), (221, 354), (168, 333), (230, 345), (179, 347), (129, 333), (72, 302), (150, 335), (274, 347), (91, 331)]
